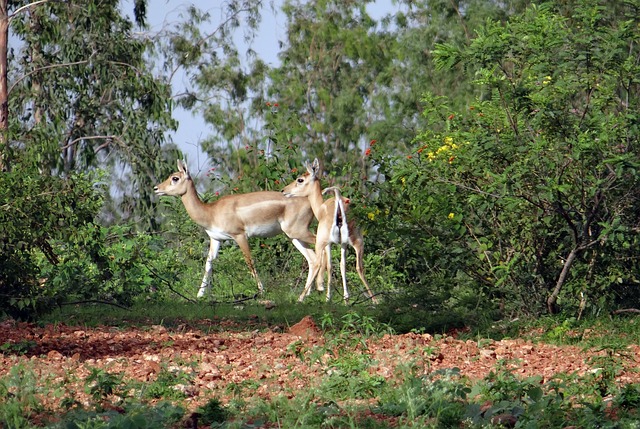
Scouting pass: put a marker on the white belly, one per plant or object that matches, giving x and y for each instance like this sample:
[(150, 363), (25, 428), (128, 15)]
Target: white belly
[(218, 234), (266, 230)]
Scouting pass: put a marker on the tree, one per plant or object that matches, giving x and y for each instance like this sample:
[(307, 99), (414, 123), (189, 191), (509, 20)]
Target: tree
[(539, 178), (4, 104), (81, 93), (78, 98)]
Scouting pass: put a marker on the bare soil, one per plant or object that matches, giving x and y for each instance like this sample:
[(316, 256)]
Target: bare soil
[(271, 360)]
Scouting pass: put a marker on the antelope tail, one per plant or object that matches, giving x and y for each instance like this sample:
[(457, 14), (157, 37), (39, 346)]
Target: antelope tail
[(340, 226)]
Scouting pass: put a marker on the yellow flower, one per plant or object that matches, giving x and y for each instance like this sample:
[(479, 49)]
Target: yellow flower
[(372, 215), (403, 180), (448, 140), (451, 216), (431, 156)]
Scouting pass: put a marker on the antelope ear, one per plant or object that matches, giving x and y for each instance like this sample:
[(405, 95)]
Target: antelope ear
[(315, 167), (182, 167), (309, 167)]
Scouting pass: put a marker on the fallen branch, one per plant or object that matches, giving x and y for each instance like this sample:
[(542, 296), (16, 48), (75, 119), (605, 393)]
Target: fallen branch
[(626, 310)]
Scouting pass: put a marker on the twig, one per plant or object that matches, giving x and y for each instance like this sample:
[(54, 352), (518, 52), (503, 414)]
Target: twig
[(95, 301), (168, 283)]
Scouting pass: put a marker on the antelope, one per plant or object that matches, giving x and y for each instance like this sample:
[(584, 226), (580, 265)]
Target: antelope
[(238, 217), (333, 228)]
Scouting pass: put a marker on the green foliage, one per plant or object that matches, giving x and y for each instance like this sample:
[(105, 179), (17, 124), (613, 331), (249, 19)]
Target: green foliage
[(19, 348), (20, 402), (527, 197), (438, 398), (608, 366), (54, 252), (39, 217), (213, 412), (137, 416), (345, 356), (167, 384)]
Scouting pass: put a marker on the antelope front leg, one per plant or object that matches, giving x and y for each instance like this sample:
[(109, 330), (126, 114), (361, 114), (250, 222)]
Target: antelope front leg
[(343, 271), (214, 246), (320, 276), (327, 255), (309, 255)]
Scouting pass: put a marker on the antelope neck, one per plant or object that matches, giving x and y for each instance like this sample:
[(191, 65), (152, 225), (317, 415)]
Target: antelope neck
[(194, 205), (316, 200)]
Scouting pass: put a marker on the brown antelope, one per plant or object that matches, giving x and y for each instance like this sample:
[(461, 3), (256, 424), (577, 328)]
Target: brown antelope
[(238, 217), (333, 227)]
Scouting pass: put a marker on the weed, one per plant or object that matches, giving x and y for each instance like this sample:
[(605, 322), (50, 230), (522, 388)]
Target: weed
[(101, 384), (213, 412), (438, 397), (137, 416), (19, 392), (502, 385), (19, 348), (629, 397), (166, 384), (298, 349), (608, 365)]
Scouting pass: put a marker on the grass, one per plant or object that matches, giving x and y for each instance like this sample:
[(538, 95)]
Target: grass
[(202, 314), (615, 331)]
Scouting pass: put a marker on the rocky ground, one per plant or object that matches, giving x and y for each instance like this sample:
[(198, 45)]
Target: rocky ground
[(273, 360)]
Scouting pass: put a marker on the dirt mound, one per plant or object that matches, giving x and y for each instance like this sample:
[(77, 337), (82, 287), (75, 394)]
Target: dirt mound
[(305, 328)]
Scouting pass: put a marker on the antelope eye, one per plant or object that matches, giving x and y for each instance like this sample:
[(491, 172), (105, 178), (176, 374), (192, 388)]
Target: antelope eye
[(300, 180), (175, 179)]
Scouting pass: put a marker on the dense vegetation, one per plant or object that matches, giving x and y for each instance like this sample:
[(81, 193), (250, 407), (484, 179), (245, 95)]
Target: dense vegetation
[(490, 151)]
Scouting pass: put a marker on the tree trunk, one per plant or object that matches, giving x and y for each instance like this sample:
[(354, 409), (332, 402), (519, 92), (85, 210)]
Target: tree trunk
[(551, 301), (4, 95)]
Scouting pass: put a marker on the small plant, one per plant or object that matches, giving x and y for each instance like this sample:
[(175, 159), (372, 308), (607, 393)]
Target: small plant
[(503, 385), (438, 398), (134, 416), (19, 400), (561, 333), (19, 348), (166, 385), (213, 413), (102, 384), (607, 366), (629, 397)]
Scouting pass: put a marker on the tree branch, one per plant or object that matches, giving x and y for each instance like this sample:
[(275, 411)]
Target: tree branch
[(99, 148), (53, 66), (27, 6)]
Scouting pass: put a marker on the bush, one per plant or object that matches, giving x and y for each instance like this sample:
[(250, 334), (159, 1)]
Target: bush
[(530, 196), (40, 216)]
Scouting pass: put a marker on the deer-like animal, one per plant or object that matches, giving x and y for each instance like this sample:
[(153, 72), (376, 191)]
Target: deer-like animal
[(333, 228), (238, 217)]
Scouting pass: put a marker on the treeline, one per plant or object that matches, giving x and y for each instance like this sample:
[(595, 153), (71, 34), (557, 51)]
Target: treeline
[(489, 149)]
